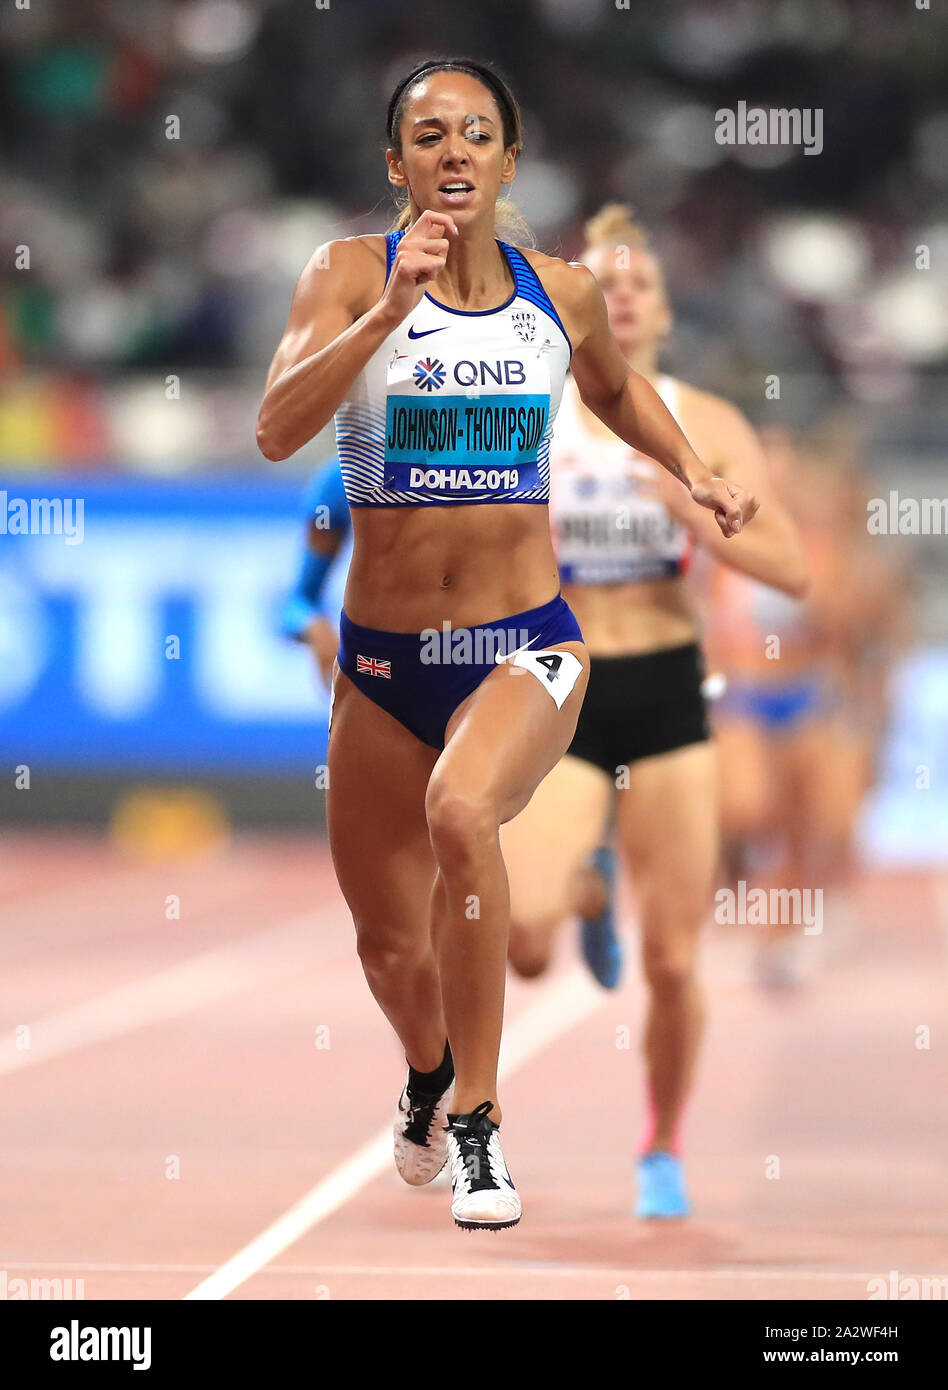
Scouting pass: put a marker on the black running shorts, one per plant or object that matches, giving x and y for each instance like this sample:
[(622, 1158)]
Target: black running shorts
[(638, 706)]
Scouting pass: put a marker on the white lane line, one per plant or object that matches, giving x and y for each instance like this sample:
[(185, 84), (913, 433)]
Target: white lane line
[(190, 984), (16, 908), (67, 916), (559, 1008)]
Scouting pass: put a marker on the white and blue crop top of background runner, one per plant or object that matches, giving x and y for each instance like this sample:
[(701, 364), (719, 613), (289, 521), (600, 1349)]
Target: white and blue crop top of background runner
[(457, 406)]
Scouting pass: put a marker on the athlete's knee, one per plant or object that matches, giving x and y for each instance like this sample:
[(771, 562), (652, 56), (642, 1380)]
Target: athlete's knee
[(386, 953), (674, 905), (669, 964), (529, 951), (461, 822)]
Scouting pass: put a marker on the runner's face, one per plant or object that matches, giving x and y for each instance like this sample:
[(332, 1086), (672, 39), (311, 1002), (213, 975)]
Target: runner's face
[(632, 286), (452, 151)]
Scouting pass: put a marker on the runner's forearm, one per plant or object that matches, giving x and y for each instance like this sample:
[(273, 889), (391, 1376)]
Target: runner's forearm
[(304, 398), (639, 416)]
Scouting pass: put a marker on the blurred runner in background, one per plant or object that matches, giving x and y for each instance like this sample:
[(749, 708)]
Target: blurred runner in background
[(806, 700), (623, 544), (309, 615)]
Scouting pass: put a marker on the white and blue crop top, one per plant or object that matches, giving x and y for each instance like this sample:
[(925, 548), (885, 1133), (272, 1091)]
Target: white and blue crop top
[(608, 520), (457, 406)]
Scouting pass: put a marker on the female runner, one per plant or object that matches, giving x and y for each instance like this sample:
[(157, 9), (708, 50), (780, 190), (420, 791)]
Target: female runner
[(805, 707), (623, 543), (442, 352)]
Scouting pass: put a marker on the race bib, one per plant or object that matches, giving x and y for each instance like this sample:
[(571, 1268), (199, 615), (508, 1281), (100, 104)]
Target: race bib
[(557, 672), (465, 428), (610, 528)]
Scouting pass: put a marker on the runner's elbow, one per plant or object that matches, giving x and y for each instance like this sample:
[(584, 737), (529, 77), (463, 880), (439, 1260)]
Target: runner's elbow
[(797, 578), (269, 441)]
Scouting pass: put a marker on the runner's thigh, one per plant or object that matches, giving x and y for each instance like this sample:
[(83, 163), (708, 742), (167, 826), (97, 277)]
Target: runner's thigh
[(508, 734), (378, 774), (668, 831)]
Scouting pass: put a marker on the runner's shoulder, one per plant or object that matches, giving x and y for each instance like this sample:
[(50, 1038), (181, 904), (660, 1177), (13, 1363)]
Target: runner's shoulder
[(571, 286), (704, 408), (572, 282), (355, 266)]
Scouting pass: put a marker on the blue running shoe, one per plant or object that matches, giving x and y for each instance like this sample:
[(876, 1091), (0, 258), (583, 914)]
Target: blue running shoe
[(602, 950), (661, 1186)]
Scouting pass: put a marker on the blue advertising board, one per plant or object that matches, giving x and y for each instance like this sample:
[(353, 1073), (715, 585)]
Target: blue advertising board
[(140, 634), (139, 627)]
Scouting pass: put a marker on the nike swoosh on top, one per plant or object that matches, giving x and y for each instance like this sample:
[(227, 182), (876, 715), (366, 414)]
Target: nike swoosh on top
[(426, 331)]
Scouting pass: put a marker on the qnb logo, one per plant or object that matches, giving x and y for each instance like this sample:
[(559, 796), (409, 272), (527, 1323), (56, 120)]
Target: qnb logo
[(509, 372), (77, 1343), (429, 374)]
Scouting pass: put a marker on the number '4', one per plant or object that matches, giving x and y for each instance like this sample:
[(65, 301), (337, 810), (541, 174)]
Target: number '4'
[(553, 662)]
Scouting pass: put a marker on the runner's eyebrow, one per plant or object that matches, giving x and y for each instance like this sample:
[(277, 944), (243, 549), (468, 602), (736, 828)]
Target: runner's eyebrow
[(436, 120)]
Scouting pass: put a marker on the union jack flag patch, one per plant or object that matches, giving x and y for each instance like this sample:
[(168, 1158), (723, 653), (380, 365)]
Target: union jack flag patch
[(368, 666)]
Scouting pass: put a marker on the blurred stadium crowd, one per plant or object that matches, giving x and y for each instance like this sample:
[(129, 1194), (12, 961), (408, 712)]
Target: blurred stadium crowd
[(152, 257)]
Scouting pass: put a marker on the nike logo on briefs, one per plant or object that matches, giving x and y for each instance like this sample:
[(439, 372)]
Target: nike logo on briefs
[(508, 656), (426, 331)]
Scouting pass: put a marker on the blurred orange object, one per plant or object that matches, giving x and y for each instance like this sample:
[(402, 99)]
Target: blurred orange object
[(157, 823)]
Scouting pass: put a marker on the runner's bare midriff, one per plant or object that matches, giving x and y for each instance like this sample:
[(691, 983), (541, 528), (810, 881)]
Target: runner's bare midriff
[(629, 619), (751, 663), (416, 567)]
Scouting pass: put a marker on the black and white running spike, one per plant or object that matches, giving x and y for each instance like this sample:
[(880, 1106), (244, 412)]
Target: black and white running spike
[(421, 1140), (484, 1195)]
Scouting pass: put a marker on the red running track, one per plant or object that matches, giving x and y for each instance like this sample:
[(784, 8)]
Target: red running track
[(188, 1081)]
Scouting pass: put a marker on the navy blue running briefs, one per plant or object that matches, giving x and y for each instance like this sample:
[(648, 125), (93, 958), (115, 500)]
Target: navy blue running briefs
[(421, 678)]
